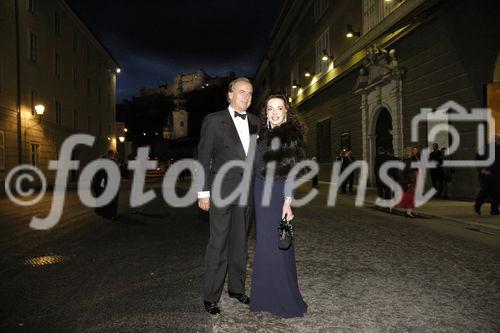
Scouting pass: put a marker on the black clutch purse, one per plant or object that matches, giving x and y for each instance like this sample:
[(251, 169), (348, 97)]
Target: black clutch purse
[(285, 232)]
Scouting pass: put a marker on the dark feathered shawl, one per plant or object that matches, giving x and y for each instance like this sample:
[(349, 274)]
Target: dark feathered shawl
[(288, 153)]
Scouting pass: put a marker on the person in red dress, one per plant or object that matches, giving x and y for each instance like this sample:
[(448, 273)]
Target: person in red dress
[(408, 181)]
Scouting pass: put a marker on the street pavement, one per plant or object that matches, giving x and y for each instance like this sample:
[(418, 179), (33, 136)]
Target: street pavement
[(360, 270)]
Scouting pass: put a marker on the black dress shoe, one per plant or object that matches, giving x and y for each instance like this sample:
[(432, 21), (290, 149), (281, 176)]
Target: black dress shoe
[(212, 307), (242, 298)]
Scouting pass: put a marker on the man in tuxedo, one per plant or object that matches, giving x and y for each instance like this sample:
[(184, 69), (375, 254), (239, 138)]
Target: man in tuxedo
[(226, 136)]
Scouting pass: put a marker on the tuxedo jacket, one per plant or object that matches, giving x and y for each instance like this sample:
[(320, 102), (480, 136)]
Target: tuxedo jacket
[(220, 143)]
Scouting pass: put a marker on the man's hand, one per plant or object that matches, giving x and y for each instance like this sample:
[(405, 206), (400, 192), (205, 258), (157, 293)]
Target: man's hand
[(204, 203), (287, 210)]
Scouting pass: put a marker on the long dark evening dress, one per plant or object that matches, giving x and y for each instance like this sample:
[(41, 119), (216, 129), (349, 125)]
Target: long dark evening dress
[(274, 280)]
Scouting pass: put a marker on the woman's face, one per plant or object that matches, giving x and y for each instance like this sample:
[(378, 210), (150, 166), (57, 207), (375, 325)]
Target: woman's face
[(276, 112), (414, 151)]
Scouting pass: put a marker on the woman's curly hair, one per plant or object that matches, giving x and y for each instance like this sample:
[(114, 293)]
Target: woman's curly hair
[(292, 114)]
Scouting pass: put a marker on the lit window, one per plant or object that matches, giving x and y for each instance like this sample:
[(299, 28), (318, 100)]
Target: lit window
[(322, 44), (374, 11)]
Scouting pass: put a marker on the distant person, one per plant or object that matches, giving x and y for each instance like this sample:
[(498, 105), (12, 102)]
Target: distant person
[(447, 175), (383, 191), (346, 160), (489, 181), (315, 178), (408, 181), (437, 172), (99, 184)]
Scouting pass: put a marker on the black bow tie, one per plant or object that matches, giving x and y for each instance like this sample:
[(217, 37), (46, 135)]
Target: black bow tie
[(242, 115)]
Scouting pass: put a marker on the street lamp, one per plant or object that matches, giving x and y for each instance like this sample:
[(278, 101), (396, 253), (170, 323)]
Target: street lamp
[(295, 85), (351, 33), (307, 73), (118, 70), (39, 109), (325, 56), (121, 138), (125, 130)]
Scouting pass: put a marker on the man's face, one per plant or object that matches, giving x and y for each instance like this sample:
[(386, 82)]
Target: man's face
[(435, 146), (241, 96)]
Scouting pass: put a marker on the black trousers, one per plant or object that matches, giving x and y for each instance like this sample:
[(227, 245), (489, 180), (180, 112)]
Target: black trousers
[(226, 250), (437, 180), (489, 188), (349, 181), (383, 191)]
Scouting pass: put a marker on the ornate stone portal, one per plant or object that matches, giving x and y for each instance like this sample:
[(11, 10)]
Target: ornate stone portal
[(379, 83)]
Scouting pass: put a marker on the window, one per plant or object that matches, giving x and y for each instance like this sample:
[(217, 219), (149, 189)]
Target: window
[(2, 150), (88, 88), (58, 113), (33, 47), (75, 119), (57, 65), (33, 7), (75, 77), (323, 141), (35, 154), (320, 7), (322, 44), (182, 123), (57, 23), (33, 101), (374, 11), (75, 40), (99, 95)]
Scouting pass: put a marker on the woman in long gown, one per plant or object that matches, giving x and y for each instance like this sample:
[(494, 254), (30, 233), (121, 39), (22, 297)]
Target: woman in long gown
[(410, 175), (274, 280)]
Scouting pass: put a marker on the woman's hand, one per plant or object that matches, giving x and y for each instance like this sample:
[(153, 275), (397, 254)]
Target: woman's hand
[(287, 210)]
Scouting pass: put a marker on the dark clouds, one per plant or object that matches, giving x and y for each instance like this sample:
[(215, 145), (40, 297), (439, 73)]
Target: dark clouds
[(155, 40)]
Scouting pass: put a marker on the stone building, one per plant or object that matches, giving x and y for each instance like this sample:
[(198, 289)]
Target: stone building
[(49, 57), (360, 71)]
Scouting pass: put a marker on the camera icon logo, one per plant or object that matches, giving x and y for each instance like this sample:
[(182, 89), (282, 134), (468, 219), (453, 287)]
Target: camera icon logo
[(444, 121)]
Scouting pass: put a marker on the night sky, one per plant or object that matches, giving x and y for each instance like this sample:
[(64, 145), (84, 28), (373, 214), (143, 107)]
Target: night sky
[(155, 40)]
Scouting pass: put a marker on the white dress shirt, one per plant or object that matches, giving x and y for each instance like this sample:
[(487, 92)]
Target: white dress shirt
[(244, 134), (241, 128)]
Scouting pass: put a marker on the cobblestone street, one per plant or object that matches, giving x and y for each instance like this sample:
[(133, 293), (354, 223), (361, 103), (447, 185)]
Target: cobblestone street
[(360, 270)]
